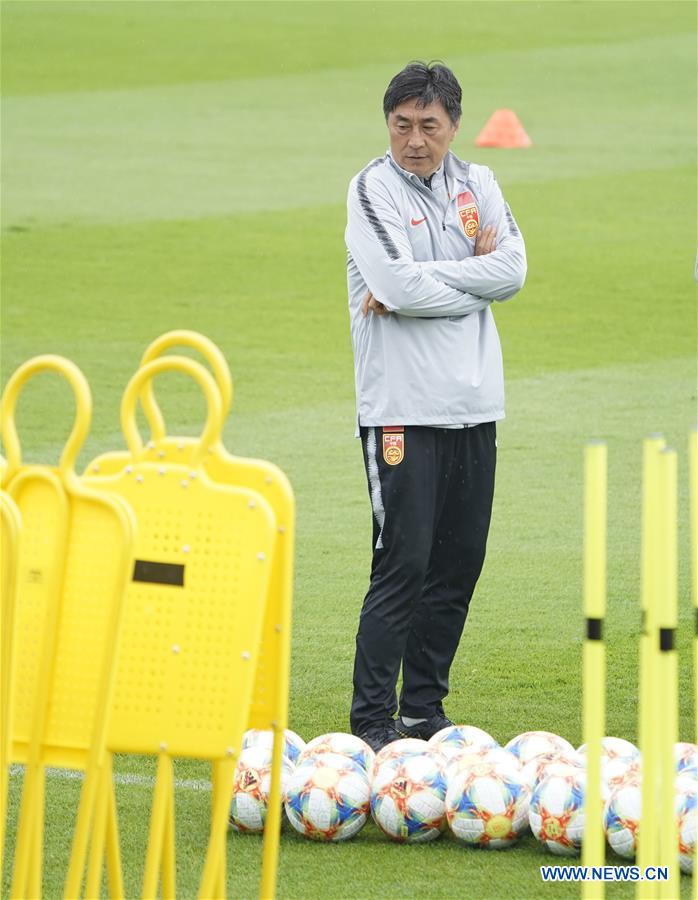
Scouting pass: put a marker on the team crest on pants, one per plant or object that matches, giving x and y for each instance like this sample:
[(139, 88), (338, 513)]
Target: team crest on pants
[(393, 445)]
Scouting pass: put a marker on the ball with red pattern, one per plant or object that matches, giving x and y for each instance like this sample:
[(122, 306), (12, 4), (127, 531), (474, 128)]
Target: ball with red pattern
[(327, 797), (251, 786), (686, 809), (621, 817), (345, 744), (556, 811), (620, 761), (487, 803), (408, 797), (293, 743), (530, 744)]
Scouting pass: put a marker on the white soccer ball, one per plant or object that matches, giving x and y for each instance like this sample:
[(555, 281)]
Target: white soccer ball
[(549, 763), (462, 737), (498, 757), (621, 818), (686, 756), (408, 797), (345, 744), (633, 772), (530, 744), (257, 737), (615, 748), (686, 808), (620, 761), (251, 786), (556, 811), (327, 797), (402, 747), (487, 803)]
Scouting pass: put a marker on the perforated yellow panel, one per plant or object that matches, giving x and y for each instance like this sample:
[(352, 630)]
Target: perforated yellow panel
[(169, 449), (270, 694), (171, 628), (82, 561), (72, 571), (269, 699), (85, 635), (43, 502), (193, 621)]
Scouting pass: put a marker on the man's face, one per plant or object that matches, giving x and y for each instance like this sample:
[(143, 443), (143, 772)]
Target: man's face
[(420, 136)]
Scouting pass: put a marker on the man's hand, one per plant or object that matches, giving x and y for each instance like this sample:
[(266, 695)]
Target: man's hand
[(485, 240), (370, 302)]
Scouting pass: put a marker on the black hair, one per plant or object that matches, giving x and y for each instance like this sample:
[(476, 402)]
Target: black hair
[(428, 83)]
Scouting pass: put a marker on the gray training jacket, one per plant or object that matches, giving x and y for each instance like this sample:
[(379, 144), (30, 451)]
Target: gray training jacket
[(436, 359)]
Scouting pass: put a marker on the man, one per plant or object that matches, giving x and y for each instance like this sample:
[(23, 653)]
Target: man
[(431, 244)]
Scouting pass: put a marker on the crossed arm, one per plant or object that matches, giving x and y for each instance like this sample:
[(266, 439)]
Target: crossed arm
[(485, 242), (380, 247)]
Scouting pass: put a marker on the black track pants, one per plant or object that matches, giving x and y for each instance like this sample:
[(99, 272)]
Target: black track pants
[(431, 515)]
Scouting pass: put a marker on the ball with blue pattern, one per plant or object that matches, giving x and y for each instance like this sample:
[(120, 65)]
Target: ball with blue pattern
[(408, 797), (487, 803), (556, 811), (686, 809), (621, 817), (327, 797), (293, 743)]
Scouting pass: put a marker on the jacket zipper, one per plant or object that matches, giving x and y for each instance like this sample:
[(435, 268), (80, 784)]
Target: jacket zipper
[(443, 221)]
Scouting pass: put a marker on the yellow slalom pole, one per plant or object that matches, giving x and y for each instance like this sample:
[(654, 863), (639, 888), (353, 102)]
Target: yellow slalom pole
[(36, 872), (648, 707), (93, 883), (217, 784), (668, 672), (272, 828), (115, 879), (594, 656), (162, 800), (693, 476), (169, 857), (211, 876)]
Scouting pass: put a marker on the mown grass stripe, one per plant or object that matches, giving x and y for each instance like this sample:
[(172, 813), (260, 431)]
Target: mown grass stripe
[(124, 778)]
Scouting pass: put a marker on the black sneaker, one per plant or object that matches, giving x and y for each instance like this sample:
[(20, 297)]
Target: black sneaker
[(378, 734), (423, 730)]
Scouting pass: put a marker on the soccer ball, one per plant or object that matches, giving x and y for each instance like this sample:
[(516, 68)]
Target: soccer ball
[(327, 797), (556, 811), (407, 797), (344, 744), (633, 772), (548, 763), (686, 756), (615, 748), (621, 818), (293, 744), (462, 737), (487, 803), (620, 760), (498, 757), (251, 785), (686, 808), (535, 743), (403, 747)]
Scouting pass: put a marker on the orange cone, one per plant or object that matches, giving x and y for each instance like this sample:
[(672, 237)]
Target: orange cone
[(503, 129)]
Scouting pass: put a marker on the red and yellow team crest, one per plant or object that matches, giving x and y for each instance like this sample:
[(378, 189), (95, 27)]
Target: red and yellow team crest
[(394, 445), (468, 213)]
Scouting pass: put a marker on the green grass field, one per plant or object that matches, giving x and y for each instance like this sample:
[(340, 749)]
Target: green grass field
[(185, 165)]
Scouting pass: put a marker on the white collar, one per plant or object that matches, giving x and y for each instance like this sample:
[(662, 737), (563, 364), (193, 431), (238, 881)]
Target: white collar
[(455, 168)]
